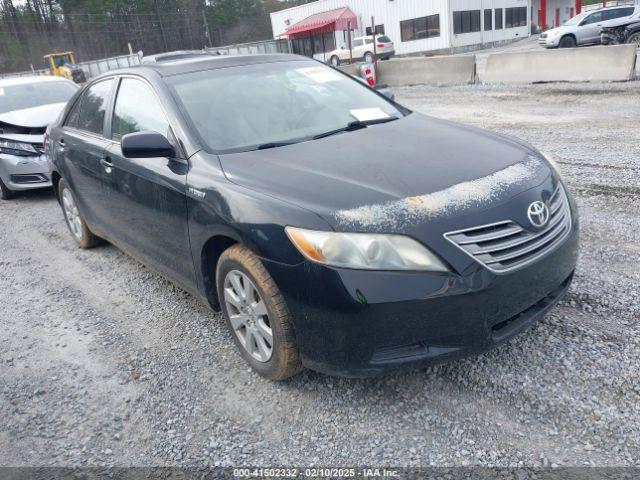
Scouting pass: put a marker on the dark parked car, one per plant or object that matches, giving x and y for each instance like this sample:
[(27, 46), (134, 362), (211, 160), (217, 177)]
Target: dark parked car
[(627, 33), (172, 56), (335, 229)]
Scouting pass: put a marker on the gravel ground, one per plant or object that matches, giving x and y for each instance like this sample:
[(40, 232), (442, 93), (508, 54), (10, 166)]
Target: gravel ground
[(103, 362)]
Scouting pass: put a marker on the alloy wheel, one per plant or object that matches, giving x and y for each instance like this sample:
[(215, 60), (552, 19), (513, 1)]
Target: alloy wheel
[(248, 315), (72, 214)]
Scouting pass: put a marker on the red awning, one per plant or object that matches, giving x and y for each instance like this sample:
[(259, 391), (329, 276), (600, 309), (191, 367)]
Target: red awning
[(328, 21)]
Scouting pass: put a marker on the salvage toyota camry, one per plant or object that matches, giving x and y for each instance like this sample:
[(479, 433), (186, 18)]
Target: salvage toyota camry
[(335, 229)]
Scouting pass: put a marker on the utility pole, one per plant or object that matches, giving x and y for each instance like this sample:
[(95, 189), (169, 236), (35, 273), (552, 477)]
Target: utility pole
[(206, 29), (375, 52), (350, 46)]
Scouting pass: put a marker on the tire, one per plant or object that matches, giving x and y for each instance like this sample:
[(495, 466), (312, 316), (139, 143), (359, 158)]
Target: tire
[(335, 61), (239, 264), (635, 38), (75, 222), (567, 42), (368, 57), (5, 193)]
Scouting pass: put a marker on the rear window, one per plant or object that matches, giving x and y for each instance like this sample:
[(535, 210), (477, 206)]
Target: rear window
[(384, 39)]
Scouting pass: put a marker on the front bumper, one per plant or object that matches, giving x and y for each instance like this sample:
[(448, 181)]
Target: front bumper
[(549, 42), (358, 323), (611, 37), (24, 173)]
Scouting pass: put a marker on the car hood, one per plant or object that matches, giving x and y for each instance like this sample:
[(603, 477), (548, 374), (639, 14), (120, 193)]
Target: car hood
[(415, 168), (35, 117), (560, 30)]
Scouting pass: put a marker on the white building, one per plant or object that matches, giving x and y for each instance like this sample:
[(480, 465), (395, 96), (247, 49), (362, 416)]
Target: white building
[(413, 25)]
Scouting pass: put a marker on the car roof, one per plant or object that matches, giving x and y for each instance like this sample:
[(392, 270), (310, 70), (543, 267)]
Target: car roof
[(203, 63), (611, 7), (10, 81)]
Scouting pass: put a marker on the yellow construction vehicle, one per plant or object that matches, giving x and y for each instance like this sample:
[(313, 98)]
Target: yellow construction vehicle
[(63, 64)]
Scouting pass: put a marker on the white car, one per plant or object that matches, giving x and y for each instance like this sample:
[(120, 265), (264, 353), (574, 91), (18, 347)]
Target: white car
[(27, 106), (584, 28), (363, 50)]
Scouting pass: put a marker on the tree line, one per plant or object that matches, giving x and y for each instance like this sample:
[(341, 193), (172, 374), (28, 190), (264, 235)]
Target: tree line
[(96, 29)]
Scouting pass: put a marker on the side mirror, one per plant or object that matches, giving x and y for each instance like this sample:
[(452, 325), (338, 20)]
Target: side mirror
[(146, 145)]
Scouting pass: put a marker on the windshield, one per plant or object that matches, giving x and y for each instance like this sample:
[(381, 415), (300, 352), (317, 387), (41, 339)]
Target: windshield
[(577, 19), (249, 107), (28, 95), (61, 60)]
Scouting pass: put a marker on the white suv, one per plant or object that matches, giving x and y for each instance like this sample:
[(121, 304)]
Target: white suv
[(363, 50), (584, 28)]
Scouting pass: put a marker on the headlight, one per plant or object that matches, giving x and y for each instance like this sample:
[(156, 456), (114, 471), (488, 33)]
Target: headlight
[(17, 148), (365, 251)]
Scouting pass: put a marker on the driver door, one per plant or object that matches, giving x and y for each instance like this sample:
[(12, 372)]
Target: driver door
[(589, 31), (147, 196)]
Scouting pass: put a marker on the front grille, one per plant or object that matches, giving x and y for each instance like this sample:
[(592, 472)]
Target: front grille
[(543, 35), (506, 246)]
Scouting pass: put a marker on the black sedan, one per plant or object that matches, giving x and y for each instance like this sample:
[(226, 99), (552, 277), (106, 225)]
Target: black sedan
[(335, 229)]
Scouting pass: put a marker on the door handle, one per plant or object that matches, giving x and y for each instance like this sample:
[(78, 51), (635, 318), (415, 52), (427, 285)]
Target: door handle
[(106, 163), (61, 142)]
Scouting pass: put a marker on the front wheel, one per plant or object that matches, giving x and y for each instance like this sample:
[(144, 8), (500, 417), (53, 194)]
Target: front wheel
[(257, 314), (635, 38), (5, 193), (335, 61), (567, 42), (368, 57), (77, 226)]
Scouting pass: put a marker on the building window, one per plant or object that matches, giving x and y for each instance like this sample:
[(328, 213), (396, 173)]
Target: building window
[(498, 19), (419, 28), (466, 21), (488, 19), (515, 17), (379, 30), (314, 45)]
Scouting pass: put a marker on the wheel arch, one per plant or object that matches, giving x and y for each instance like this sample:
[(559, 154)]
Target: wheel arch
[(55, 181), (572, 35), (209, 256)]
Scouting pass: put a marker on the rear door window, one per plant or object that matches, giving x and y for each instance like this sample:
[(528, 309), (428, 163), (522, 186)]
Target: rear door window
[(93, 107), (624, 12)]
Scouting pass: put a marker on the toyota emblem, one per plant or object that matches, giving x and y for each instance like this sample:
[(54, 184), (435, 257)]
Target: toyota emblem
[(538, 214)]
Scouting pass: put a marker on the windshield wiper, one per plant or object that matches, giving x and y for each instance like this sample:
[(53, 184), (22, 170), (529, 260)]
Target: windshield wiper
[(265, 146), (355, 125)]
